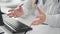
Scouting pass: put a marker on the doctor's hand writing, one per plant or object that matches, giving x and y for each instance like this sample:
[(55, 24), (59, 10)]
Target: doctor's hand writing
[(15, 12), (39, 19)]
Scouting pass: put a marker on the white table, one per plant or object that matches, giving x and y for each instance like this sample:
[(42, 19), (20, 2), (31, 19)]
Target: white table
[(3, 29)]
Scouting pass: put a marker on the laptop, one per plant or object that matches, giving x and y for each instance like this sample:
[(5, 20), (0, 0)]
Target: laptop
[(15, 26)]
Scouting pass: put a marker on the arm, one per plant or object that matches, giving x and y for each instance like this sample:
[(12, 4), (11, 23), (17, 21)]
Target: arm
[(21, 10), (42, 15), (41, 18)]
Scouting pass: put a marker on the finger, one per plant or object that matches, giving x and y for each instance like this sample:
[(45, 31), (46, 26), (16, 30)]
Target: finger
[(21, 5), (37, 22), (37, 16), (11, 10), (11, 14), (15, 16), (33, 23), (18, 15)]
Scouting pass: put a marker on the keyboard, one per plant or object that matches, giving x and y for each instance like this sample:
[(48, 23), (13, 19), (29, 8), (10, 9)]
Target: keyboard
[(15, 26)]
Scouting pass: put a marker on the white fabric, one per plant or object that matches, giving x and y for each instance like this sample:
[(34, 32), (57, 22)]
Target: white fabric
[(52, 12), (51, 7), (27, 7), (53, 20)]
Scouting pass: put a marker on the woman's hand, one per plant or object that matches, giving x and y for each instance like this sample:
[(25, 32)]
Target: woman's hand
[(40, 19), (15, 12), (36, 22)]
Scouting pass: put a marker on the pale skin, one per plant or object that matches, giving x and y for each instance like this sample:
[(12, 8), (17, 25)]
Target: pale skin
[(41, 18), (18, 12)]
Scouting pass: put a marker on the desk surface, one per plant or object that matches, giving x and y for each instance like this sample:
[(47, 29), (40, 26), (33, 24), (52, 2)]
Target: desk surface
[(3, 29)]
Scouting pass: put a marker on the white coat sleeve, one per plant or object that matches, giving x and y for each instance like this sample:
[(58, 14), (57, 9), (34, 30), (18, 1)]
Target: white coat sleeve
[(41, 6), (52, 18), (51, 7), (26, 8)]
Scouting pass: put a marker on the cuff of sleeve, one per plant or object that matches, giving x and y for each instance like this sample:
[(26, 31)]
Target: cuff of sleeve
[(51, 19)]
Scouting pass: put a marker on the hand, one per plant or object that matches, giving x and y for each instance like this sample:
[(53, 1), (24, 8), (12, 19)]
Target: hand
[(40, 19), (15, 12), (36, 22)]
